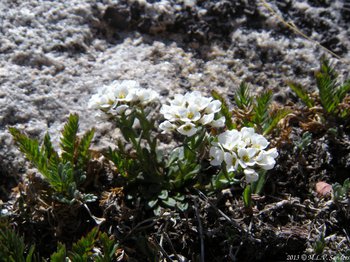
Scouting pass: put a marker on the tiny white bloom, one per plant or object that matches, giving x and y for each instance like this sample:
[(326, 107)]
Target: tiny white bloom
[(189, 114), (126, 90), (246, 156), (266, 159), (167, 126), (218, 123), (146, 96), (120, 109), (217, 156), (170, 112), (247, 133), (259, 141), (187, 129), (104, 99), (231, 161), (251, 175), (229, 139), (206, 119), (213, 107)]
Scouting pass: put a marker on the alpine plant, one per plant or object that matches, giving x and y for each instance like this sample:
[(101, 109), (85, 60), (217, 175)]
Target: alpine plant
[(243, 150), (187, 113)]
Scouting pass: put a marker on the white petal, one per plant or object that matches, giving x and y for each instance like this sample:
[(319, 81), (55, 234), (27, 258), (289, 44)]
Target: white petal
[(217, 156), (219, 122), (206, 119), (213, 107), (167, 126), (187, 129), (251, 175)]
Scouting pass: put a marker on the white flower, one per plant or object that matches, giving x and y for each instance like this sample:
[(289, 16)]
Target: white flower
[(199, 101), (213, 107), (218, 123), (231, 161), (251, 175), (126, 91), (167, 126), (206, 119), (178, 100), (229, 139), (246, 156), (266, 159), (146, 96), (247, 133), (120, 109), (187, 129), (258, 141), (189, 114), (217, 156), (170, 112), (103, 99)]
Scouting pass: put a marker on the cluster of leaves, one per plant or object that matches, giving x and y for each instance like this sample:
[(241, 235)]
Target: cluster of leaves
[(95, 246), (340, 192), (149, 176), (256, 111), (331, 94), (12, 246), (87, 249), (65, 172)]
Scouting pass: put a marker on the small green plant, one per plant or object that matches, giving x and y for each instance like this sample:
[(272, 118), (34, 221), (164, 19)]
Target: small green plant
[(340, 192), (95, 246), (64, 173), (12, 246), (331, 93), (256, 111), (320, 242), (160, 178)]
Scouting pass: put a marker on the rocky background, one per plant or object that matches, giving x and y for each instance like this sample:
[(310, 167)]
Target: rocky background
[(55, 54)]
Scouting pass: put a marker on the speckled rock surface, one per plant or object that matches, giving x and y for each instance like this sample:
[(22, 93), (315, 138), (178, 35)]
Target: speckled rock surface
[(55, 54)]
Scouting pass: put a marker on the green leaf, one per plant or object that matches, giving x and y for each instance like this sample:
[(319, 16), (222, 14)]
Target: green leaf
[(68, 139), (12, 247), (261, 108), (82, 250), (30, 148), (170, 202), (108, 246), (243, 98), (60, 254), (301, 93), (83, 153), (163, 194), (273, 120), (257, 186), (247, 196), (326, 79)]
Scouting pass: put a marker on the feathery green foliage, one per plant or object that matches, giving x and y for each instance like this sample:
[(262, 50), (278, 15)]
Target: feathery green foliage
[(255, 111), (84, 250), (300, 91), (12, 247), (331, 93), (243, 97), (60, 255), (66, 172), (30, 147), (68, 139)]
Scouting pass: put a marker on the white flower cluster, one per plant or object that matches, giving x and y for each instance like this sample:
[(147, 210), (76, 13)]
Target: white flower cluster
[(243, 149), (119, 95), (187, 112)]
